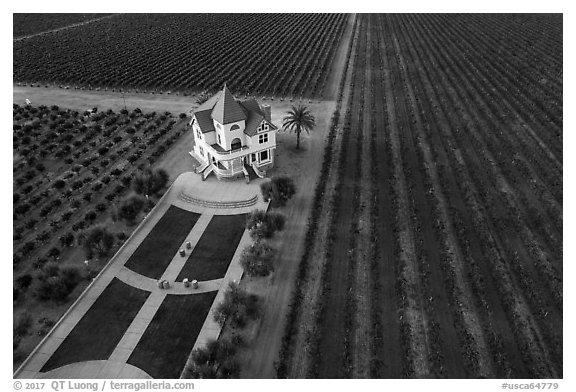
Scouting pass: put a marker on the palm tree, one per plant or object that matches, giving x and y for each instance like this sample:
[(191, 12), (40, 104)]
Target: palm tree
[(298, 119)]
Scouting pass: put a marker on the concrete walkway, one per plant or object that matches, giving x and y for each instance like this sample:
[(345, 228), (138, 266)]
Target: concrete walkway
[(116, 366)]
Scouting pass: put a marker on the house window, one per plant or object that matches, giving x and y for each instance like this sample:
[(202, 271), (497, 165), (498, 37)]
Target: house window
[(199, 134), (201, 151), (219, 140), (234, 127), (264, 156), (263, 138)]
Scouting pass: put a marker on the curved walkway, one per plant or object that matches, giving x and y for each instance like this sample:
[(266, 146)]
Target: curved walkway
[(116, 366), (97, 369), (141, 282)]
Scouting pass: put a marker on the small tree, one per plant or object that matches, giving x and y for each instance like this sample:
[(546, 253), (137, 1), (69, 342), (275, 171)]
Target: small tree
[(150, 182), (22, 326), (98, 241), (55, 283), (263, 224), (279, 190), (257, 259), (216, 360), (130, 208), (237, 308)]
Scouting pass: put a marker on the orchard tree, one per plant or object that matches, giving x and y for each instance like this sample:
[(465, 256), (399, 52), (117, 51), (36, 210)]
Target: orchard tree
[(130, 208), (98, 241), (150, 182)]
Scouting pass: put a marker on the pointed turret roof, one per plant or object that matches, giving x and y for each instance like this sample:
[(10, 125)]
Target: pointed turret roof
[(227, 110)]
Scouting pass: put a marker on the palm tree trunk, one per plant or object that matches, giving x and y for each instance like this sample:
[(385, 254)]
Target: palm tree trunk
[(298, 130)]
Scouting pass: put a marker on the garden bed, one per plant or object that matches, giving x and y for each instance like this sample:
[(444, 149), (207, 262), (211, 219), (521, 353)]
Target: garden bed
[(100, 330), (211, 257), (158, 248), (164, 347)]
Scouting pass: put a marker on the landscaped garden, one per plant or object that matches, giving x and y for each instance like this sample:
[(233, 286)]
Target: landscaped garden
[(96, 335), (212, 255), (73, 171), (157, 250), (165, 346)]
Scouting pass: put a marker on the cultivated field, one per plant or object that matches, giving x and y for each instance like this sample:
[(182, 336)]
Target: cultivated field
[(285, 55), (437, 244)]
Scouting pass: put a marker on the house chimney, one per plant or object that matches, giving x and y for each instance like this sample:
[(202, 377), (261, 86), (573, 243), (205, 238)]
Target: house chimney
[(267, 110)]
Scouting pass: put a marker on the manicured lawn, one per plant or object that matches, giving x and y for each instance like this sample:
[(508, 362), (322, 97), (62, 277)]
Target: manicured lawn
[(100, 330), (164, 347), (159, 247), (213, 253)]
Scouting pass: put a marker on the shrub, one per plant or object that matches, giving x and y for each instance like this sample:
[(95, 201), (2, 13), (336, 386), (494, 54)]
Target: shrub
[(23, 282), (66, 216), (257, 259), (53, 252), (279, 190), (55, 283), (22, 208), (23, 324), (67, 239), (59, 184), (90, 216), (77, 184)]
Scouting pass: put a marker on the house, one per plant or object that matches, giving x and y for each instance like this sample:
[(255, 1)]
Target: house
[(233, 138)]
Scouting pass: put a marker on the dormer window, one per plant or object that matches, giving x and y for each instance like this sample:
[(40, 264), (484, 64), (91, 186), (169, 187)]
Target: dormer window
[(263, 127)]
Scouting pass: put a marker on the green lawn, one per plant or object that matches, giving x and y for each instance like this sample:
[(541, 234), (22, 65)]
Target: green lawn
[(212, 255), (166, 344), (157, 250), (96, 335)]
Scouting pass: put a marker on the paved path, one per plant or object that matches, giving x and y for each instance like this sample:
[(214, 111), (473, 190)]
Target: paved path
[(116, 366)]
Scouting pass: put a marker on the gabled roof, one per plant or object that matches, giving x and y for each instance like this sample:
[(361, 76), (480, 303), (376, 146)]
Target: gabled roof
[(251, 105), (204, 121), (227, 110), (223, 108), (252, 123)]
